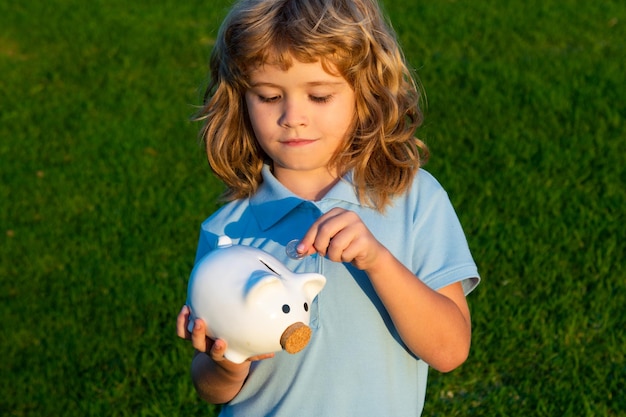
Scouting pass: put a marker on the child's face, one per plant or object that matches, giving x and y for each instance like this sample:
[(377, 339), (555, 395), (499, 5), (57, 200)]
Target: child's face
[(300, 116)]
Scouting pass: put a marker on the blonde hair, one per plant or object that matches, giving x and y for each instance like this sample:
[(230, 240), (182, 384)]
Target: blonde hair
[(348, 35)]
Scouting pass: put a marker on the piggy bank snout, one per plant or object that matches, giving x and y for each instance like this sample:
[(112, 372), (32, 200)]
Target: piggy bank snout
[(295, 337)]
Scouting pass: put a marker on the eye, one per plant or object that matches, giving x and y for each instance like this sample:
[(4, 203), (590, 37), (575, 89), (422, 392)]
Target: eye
[(271, 99), (322, 99), (286, 308), (306, 307)]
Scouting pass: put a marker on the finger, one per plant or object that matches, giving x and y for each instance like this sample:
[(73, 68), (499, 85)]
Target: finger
[(261, 357), (218, 350), (319, 235), (198, 335), (181, 323), (336, 233), (338, 247)]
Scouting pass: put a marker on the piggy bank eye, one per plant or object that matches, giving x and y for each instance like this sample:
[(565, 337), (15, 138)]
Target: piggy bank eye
[(286, 308), (306, 307)]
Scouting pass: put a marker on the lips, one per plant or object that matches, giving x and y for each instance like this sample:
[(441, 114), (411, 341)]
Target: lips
[(297, 142)]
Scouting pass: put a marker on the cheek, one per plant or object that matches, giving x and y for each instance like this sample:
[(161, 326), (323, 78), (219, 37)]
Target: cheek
[(344, 118), (260, 128), (260, 116), (256, 120), (252, 110)]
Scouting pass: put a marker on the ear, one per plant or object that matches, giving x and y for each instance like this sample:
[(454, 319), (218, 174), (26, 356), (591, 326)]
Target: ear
[(260, 283), (313, 284)]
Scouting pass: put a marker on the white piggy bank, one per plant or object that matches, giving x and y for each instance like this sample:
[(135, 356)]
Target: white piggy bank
[(251, 300)]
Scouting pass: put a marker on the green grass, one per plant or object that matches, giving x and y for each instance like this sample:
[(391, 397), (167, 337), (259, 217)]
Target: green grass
[(103, 186)]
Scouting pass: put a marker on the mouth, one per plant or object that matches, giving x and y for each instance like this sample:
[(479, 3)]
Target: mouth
[(297, 142)]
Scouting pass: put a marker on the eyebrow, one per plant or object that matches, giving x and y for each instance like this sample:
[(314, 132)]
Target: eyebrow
[(308, 84)]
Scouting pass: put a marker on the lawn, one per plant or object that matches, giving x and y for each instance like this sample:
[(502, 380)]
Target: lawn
[(104, 185)]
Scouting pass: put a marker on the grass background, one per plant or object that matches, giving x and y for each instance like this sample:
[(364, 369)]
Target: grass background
[(103, 186)]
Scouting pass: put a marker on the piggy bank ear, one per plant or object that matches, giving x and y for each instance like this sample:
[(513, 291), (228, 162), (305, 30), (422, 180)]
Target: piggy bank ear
[(313, 285), (259, 284)]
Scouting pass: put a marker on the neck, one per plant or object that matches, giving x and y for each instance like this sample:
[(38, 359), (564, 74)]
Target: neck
[(308, 185)]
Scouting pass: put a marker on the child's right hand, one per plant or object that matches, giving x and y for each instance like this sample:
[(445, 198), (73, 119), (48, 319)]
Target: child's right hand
[(198, 336), (214, 348)]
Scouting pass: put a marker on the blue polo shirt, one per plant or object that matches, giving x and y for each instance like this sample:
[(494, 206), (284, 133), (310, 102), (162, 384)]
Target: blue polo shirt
[(355, 364)]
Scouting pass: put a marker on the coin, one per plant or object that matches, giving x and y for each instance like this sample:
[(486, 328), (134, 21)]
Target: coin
[(292, 251)]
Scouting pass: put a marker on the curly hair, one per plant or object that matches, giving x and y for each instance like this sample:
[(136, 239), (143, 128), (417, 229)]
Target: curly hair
[(353, 38)]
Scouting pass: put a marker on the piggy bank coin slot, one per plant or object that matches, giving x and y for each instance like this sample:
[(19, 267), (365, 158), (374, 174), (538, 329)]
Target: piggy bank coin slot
[(269, 267)]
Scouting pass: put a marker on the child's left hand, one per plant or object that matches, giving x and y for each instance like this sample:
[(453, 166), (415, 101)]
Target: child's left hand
[(341, 236), (442, 338)]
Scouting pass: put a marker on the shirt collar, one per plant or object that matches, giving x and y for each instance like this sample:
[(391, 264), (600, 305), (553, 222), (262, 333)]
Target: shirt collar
[(273, 201)]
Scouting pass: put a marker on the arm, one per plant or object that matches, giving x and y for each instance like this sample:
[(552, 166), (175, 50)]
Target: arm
[(443, 335), (442, 338), (216, 379)]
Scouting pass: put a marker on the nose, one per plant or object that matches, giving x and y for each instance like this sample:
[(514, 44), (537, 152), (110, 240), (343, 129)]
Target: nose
[(293, 114)]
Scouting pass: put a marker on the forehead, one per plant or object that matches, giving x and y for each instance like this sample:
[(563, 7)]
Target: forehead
[(280, 66), (284, 58), (299, 74)]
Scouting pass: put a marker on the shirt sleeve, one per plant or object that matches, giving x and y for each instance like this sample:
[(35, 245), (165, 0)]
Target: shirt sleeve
[(442, 248)]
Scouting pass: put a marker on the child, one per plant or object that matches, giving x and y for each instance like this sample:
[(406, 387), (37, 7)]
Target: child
[(309, 120)]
